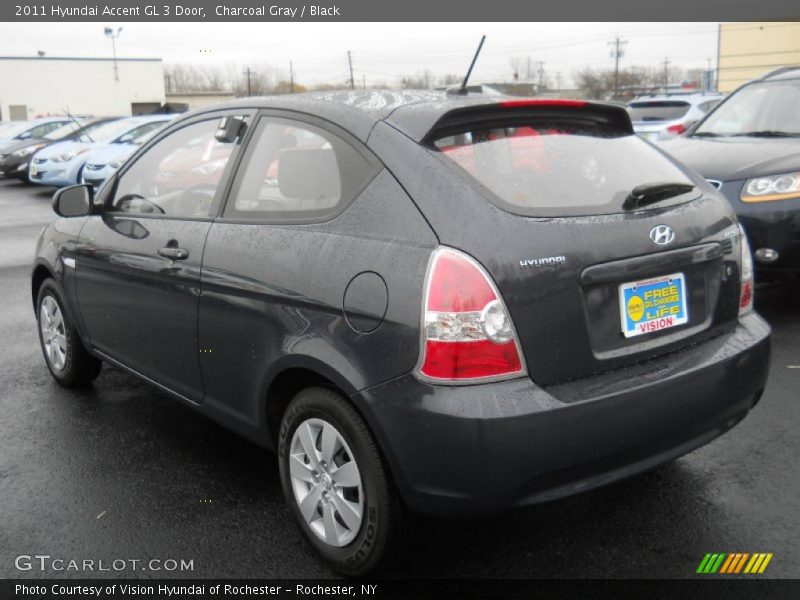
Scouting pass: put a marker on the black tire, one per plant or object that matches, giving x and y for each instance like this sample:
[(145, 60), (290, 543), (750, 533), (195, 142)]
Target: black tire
[(80, 368), (384, 515)]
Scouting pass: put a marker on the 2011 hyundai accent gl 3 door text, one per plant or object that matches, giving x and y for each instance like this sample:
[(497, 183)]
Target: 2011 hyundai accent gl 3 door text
[(443, 305)]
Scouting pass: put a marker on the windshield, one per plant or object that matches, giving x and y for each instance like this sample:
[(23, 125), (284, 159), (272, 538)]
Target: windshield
[(770, 106), (109, 131), (63, 131), (558, 169), (660, 110)]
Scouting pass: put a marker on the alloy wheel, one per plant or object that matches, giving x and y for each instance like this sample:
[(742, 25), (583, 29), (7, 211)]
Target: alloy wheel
[(54, 338), (326, 482)]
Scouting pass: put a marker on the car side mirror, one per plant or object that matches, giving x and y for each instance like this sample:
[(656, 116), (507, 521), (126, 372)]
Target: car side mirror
[(229, 129), (74, 201), (24, 136), (126, 139)]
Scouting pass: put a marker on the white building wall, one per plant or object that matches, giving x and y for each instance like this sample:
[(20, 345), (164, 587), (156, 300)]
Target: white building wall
[(196, 100), (48, 86)]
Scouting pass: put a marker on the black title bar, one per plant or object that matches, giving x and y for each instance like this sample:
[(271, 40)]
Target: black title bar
[(398, 10)]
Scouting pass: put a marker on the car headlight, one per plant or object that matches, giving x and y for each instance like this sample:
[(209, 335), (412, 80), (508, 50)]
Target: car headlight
[(771, 187), (27, 151), (68, 156)]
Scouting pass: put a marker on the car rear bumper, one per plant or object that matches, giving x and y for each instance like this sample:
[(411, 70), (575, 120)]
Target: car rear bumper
[(484, 448)]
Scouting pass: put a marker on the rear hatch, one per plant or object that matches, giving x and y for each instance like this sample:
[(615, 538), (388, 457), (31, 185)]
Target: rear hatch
[(593, 280)]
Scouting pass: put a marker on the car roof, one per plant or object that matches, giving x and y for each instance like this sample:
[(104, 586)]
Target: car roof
[(414, 112), (788, 72), (695, 96), (40, 120)]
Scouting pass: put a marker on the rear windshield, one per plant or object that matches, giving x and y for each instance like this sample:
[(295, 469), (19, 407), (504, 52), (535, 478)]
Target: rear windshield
[(662, 110), (558, 169)]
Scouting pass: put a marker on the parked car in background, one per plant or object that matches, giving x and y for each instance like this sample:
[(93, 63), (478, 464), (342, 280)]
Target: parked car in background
[(104, 162), (659, 118), (62, 163), (29, 130), (15, 160), (455, 305), (749, 148)]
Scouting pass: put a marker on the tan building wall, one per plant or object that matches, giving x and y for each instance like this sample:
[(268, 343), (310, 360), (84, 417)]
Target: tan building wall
[(750, 50)]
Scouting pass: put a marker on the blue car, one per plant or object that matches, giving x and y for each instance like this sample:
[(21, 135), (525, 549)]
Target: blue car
[(62, 164), (104, 162)]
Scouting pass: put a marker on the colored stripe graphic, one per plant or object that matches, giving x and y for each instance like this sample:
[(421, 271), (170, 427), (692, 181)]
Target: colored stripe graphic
[(734, 563)]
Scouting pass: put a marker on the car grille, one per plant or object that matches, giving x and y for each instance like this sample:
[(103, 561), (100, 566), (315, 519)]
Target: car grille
[(94, 167), (39, 161), (3, 156)]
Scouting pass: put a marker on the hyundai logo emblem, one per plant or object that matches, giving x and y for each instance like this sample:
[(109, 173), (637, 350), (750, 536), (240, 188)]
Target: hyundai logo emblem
[(662, 235)]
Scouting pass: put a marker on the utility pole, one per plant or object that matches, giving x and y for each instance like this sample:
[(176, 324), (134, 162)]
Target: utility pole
[(247, 72), (540, 69), (168, 77), (363, 81), (617, 52), (666, 74), (113, 35), (350, 62), (528, 78), (291, 78)]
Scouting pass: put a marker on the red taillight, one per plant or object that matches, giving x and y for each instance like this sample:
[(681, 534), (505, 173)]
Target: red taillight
[(676, 129), (467, 332), (542, 102), (746, 291)]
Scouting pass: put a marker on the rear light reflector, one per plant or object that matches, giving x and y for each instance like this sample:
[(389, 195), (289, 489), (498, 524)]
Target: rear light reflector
[(746, 292), (467, 333)]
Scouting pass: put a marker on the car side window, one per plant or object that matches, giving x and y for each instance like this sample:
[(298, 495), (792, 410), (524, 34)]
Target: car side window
[(43, 129), (144, 129), (178, 176), (295, 170), (707, 106)]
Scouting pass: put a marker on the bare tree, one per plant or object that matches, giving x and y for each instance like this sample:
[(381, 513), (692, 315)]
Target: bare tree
[(632, 81)]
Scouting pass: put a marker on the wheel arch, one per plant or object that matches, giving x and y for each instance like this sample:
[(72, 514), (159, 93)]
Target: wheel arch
[(41, 272)]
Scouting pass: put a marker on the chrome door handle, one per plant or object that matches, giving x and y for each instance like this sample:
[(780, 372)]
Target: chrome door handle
[(174, 253)]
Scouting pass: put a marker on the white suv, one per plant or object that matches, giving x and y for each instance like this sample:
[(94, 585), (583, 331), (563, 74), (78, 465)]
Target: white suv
[(661, 117)]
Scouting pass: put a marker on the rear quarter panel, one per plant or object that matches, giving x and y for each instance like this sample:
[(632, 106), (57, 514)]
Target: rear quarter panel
[(273, 299)]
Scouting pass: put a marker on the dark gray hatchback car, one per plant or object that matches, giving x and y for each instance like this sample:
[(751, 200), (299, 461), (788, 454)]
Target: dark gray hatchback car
[(448, 305)]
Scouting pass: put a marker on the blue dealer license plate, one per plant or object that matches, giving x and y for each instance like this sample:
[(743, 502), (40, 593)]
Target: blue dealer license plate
[(653, 304)]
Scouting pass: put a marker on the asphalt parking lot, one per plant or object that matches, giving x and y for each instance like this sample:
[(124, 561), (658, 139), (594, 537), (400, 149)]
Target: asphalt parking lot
[(122, 471)]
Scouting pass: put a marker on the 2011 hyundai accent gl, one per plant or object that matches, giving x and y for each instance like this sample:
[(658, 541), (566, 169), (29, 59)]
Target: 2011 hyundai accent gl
[(448, 305)]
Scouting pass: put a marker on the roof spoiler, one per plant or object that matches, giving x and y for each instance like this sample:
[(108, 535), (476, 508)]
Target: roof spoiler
[(599, 113)]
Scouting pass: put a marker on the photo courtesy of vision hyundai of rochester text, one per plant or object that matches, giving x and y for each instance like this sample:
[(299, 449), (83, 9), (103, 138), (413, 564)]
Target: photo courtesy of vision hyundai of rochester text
[(424, 302)]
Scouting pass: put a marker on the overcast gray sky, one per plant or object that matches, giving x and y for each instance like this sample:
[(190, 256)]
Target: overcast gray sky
[(381, 51)]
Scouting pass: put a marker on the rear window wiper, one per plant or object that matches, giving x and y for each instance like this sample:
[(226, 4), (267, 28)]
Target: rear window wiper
[(708, 134), (650, 193), (767, 133)]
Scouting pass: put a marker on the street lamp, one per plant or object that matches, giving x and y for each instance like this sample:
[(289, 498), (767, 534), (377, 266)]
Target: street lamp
[(109, 31)]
